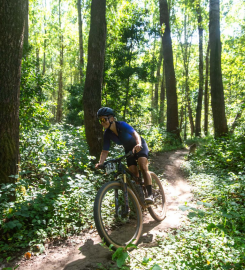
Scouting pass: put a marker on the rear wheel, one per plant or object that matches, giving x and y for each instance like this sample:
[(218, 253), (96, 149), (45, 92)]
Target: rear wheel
[(159, 208), (113, 226)]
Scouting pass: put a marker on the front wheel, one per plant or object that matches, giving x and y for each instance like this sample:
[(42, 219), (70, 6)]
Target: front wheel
[(113, 226), (159, 208)]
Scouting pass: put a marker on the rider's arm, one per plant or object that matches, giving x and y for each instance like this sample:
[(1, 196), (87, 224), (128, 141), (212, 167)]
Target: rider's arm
[(137, 138), (137, 147), (103, 157)]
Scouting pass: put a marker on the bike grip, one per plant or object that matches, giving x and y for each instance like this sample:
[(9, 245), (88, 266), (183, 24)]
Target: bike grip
[(101, 166)]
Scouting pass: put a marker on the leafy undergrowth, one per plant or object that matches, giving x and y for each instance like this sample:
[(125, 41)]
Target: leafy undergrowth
[(54, 193), (55, 188), (213, 238)]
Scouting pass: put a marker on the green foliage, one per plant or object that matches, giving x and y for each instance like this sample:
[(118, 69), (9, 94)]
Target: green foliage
[(158, 139), (55, 190), (126, 40), (213, 236), (120, 256), (75, 115), (34, 106), (225, 154)]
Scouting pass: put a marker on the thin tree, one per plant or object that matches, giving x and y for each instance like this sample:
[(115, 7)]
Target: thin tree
[(200, 92), (206, 94), (153, 114), (12, 18), (80, 31), (60, 89), (45, 40), (172, 104), (157, 83), (186, 50), (129, 57), (94, 76), (217, 92), (162, 98), (26, 33)]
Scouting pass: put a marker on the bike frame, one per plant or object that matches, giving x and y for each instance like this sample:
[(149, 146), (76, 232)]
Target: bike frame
[(123, 170)]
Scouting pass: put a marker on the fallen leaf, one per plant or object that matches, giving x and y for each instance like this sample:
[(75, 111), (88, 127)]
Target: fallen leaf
[(28, 255)]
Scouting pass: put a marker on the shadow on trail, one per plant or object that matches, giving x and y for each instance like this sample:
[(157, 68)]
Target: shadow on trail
[(94, 255)]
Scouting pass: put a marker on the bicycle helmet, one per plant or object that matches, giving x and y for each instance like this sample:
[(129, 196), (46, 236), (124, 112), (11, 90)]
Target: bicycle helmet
[(105, 111)]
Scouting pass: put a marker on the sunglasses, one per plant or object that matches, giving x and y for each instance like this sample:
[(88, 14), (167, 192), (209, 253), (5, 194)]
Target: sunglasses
[(103, 120)]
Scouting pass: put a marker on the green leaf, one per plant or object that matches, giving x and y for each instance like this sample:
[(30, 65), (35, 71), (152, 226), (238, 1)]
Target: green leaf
[(184, 207), (200, 203), (192, 215), (117, 253), (226, 215), (156, 267), (121, 260), (145, 260), (211, 226), (207, 204)]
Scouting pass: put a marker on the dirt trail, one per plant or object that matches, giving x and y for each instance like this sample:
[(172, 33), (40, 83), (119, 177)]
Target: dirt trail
[(84, 252)]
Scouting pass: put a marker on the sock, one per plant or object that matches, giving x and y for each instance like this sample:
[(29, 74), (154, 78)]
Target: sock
[(149, 190)]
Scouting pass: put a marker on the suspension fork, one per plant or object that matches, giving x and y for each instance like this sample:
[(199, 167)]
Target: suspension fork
[(125, 193), (124, 210)]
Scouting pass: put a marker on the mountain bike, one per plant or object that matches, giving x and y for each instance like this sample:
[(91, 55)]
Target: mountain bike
[(118, 204)]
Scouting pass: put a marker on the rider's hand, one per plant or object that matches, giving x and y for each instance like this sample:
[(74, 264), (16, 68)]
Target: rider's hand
[(97, 165), (137, 148)]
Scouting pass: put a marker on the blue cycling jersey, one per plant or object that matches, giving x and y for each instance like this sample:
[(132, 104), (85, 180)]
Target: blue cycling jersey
[(125, 136)]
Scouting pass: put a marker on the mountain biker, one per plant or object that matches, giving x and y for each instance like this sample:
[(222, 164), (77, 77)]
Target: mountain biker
[(123, 134)]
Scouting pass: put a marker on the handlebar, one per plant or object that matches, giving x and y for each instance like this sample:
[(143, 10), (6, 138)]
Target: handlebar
[(130, 153)]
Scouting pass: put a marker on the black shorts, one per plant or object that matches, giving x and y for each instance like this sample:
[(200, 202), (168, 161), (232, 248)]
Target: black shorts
[(142, 153)]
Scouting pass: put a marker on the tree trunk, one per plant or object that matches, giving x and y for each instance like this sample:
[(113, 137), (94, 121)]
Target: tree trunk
[(153, 114), (237, 120), (162, 98), (12, 17), (185, 48), (38, 87), (206, 94), (128, 81), (189, 104), (181, 117), (185, 126), (126, 99), (200, 93), (45, 41), (158, 78), (37, 61), (172, 105), (217, 92), (80, 31), (26, 32), (94, 76), (60, 89)]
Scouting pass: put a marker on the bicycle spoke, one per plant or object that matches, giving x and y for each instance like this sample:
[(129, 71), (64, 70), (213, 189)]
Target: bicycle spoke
[(114, 225)]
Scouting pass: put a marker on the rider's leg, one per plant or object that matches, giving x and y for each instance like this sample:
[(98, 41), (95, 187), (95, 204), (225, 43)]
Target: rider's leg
[(143, 163), (133, 169)]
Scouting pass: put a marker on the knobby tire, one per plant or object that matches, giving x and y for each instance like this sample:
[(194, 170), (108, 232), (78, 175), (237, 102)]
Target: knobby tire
[(159, 208), (115, 229)]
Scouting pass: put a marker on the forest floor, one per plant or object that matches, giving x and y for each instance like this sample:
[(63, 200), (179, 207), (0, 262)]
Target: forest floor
[(84, 252)]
